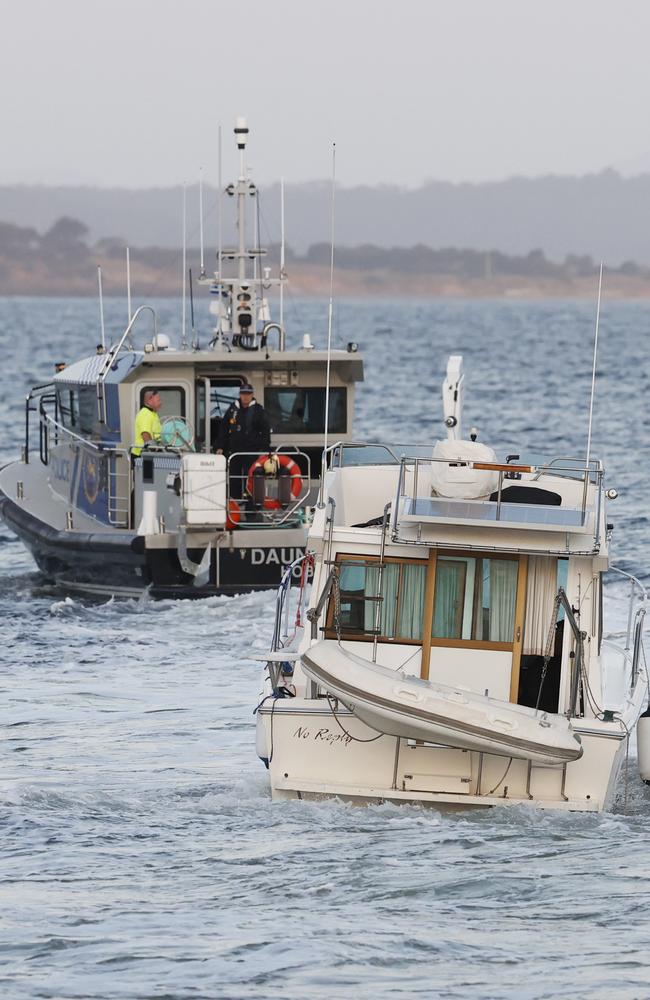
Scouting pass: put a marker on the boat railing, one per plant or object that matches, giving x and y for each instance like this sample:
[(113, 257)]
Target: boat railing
[(118, 471), (248, 480), (281, 633), (112, 353), (412, 505), (636, 612), (578, 655), (36, 392)]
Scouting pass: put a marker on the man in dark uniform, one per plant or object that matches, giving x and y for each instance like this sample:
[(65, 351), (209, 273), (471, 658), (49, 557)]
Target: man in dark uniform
[(244, 428)]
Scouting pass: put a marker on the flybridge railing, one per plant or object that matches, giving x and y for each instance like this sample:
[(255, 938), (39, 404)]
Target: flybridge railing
[(411, 506), (112, 353)]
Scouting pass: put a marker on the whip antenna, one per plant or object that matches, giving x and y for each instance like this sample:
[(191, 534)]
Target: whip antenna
[(329, 326), (195, 339), (282, 252), (128, 284), (201, 219), (593, 370), (184, 311), (101, 307), (219, 234)]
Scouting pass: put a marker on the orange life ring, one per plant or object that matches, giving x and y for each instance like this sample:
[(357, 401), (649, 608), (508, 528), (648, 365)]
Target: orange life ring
[(233, 516), (285, 462)]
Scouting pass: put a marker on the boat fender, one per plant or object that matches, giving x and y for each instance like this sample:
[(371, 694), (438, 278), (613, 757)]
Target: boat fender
[(643, 745)]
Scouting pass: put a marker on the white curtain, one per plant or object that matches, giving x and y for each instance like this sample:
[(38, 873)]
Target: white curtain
[(411, 605), (449, 595), (389, 585), (503, 597), (540, 595)]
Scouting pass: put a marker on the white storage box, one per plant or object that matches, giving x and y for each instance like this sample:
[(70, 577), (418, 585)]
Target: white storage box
[(203, 490)]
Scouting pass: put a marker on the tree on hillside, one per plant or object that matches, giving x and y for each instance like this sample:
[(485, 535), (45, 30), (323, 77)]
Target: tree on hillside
[(66, 239), (16, 241)]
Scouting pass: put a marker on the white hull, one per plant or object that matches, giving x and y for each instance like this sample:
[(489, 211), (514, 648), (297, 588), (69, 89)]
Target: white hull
[(410, 708), (316, 754)]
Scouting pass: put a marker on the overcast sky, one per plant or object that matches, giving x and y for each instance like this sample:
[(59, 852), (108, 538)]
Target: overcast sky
[(131, 92)]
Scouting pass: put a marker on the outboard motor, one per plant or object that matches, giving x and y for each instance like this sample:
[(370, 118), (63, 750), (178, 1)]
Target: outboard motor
[(643, 745)]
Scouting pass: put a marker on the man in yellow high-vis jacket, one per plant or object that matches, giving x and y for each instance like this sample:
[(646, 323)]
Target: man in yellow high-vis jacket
[(147, 422)]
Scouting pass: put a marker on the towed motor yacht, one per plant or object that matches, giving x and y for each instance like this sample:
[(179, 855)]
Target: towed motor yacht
[(453, 651), (102, 518)]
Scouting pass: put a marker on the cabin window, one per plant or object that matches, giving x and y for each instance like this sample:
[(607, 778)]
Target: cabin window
[(88, 417), (474, 598), (68, 409), (172, 400), (392, 609), (294, 410)]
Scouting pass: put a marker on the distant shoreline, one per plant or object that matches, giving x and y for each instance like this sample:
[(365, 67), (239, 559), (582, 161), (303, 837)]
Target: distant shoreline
[(313, 281)]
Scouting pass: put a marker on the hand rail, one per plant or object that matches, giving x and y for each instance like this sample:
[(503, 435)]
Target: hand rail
[(112, 354), (314, 613), (579, 637), (36, 390), (292, 506), (643, 597), (282, 592)]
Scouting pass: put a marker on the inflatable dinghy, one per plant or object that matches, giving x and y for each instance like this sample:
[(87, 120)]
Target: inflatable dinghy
[(401, 705)]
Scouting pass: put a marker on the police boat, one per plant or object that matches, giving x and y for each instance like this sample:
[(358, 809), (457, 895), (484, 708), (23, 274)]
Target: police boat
[(102, 516)]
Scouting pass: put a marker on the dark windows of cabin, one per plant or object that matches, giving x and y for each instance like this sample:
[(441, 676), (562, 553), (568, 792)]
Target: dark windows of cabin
[(386, 602), (475, 598), (68, 408), (222, 392), (295, 410), (172, 400), (77, 409)]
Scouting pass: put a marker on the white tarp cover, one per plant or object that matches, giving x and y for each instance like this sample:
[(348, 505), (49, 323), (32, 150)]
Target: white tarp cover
[(452, 477)]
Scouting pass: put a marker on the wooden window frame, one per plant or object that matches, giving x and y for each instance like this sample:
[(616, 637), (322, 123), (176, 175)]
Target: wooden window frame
[(515, 647), (427, 641), (329, 630)]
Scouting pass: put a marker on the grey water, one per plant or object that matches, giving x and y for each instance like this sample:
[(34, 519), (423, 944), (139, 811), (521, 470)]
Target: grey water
[(140, 853)]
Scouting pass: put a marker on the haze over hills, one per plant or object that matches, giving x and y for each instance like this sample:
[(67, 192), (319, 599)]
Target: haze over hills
[(604, 215)]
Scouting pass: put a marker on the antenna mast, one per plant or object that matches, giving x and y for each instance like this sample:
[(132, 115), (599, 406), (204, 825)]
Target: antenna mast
[(101, 306), (219, 235), (593, 370), (202, 274), (329, 326), (282, 252), (128, 283), (184, 311)]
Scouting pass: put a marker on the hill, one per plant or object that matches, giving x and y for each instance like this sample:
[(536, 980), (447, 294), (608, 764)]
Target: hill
[(602, 215), (62, 261)]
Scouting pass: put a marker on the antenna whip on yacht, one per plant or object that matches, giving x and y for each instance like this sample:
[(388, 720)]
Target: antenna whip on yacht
[(593, 370), (184, 310), (282, 252), (219, 233), (128, 283), (195, 339), (101, 307), (202, 274), (329, 326)]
